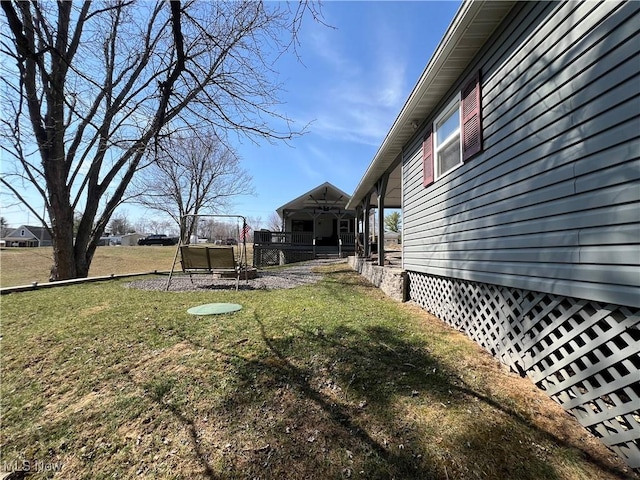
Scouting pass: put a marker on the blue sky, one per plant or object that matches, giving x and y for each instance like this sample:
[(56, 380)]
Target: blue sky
[(349, 86), (353, 84)]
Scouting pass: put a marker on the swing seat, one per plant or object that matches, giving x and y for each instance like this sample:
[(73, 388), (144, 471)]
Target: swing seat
[(205, 259)]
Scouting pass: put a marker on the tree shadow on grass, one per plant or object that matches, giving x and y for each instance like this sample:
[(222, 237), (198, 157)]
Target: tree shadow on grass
[(157, 393), (319, 403), (326, 406), (339, 413), (354, 379)]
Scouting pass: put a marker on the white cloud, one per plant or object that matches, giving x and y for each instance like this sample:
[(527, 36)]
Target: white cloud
[(324, 47), (359, 95)]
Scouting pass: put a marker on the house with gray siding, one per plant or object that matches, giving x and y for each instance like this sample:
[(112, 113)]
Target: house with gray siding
[(314, 224), (28, 236), (515, 161)]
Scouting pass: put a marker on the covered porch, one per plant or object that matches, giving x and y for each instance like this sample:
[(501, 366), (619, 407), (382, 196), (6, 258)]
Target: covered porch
[(315, 224), (379, 192)]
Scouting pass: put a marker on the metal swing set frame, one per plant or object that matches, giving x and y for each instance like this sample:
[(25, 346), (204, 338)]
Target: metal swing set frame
[(241, 265)]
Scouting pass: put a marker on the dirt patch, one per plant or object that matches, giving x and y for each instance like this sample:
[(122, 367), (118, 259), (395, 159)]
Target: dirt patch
[(87, 312)]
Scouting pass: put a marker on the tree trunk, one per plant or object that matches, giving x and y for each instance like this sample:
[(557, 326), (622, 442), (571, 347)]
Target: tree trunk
[(72, 258), (83, 260), (64, 266)]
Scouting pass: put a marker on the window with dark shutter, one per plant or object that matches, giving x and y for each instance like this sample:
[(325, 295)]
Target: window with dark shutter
[(447, 153), (471, 119), (427, 159)]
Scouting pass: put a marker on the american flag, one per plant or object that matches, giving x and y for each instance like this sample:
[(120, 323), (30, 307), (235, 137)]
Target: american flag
[(244, 234)]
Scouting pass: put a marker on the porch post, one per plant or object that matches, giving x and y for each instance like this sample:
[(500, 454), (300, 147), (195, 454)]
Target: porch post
[(365, 220), (339, 216), (381, 189), (356, 228), (283, 256), (315, 216)]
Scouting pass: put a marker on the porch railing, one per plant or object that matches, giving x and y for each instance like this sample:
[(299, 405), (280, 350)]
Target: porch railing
[(295, 238), (278, 248), (282, 238), (347, 239)]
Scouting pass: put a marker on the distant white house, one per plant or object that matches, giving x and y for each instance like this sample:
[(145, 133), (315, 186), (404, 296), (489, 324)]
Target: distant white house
[(28, 236)]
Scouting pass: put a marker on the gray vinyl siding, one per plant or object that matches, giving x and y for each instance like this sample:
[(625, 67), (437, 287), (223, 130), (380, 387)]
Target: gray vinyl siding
[(552, 204)]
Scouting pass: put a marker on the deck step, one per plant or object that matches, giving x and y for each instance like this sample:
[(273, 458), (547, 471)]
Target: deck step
[(327, 255)]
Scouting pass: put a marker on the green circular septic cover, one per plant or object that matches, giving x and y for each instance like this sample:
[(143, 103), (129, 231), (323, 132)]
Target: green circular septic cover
[(214, 309)]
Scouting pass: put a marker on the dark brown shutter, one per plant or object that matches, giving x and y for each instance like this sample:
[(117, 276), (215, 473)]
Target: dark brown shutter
[(427, 159), (471, 119)]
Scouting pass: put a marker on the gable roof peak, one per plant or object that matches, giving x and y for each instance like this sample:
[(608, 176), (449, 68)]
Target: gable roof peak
[(325, 192)]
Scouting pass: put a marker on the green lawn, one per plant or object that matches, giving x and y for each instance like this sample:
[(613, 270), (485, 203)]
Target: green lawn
[(326, 381)]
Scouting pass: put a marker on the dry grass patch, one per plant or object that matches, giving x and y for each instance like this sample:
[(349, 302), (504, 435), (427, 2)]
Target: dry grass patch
[(22, 266), (331, 380)]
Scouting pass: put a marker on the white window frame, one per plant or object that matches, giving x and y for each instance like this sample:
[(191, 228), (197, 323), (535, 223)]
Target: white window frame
[(454, 104)]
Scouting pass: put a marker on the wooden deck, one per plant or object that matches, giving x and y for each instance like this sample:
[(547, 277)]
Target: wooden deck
[(280, 248)]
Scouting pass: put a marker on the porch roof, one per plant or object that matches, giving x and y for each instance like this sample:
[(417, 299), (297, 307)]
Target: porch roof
[(325, 196), (474, 22)]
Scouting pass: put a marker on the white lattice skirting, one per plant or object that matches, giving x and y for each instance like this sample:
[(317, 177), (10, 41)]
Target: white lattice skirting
[(585, 355)]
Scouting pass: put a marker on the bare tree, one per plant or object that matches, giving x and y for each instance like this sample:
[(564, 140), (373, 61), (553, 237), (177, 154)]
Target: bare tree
[(4, 227), (274, 223), (120, 224), (94, 85), (255, 222), (189, 175), (153, 225), (223, 230)]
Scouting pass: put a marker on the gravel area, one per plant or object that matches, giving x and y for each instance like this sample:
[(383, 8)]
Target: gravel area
[(286, 277)]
